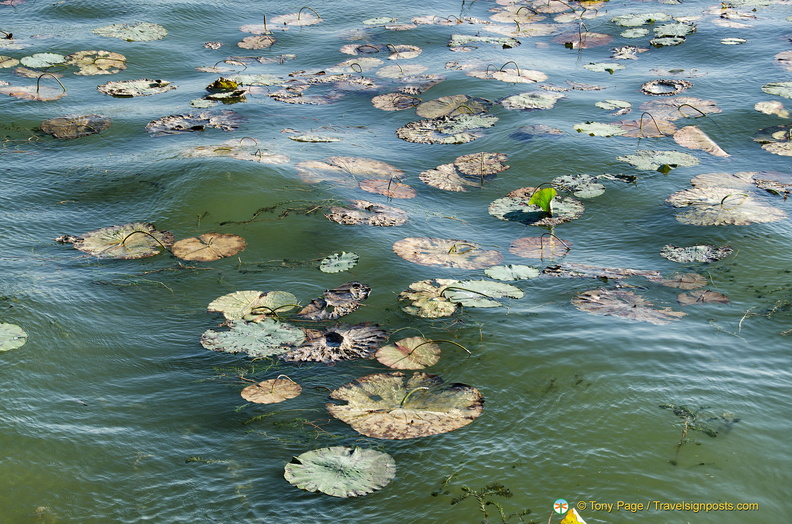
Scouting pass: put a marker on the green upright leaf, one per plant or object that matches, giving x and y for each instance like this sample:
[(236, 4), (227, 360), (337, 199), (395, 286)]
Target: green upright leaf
[(542, 198)]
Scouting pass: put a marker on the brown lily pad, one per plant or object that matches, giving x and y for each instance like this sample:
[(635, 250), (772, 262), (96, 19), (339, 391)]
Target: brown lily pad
[(692, 137), (209, 246), (389, 187), (128, 241), (363, 212), (338, 343), (624, 304), (409, 353), (68, 127), (271, 391), (541, 247), (684, 281), (441, 252), (702, 296)]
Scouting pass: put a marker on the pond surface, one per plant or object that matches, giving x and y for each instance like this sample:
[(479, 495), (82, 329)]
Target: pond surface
[(114, 412)]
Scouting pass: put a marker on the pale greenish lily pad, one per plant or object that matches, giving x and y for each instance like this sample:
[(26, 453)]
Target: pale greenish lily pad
[(208, 247), (241, 149), (581, 185), (426, 299), (515, 207), (409, 353), (667, 41), (446, 130), (316, 139), (68, 127), (271, 391), (42, 60), (674, 29), (624, 304), (719, 206), (380, 20), (637, 20), (662, 161), (8, 61), (531, 101), (452, 105), (255, 339), (139, 32), (462, 41), (188, 123), (619, 107), (128, 241), (441, 252), (395, 406), (697, 253), (97, 62), (341, 471), (604, 67), (599, 129), (637, 32), (338, 343), (363, 212), (512, 272), (339, 262), (733, 41), (12, 337), (480, 293), (252, 305), (130, 88)]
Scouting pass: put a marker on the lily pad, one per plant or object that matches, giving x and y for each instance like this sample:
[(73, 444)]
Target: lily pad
[(209, 246), (255, 339), (637, 20), (459, 42), (97, 62), (581, 185), (176, 124), (583, 40), (395, 101), (624, 304), (34, 92), (647, 128), (345, 169), (697, 253), (773, 107), (604, 67), (409, 353), (128, 241), (239, 149), (665, 87), (395, 406), (778, 88), (512, 272), (572, 270), (452, 106), (662, 161), (692, 137), (339, 262), (341, 471), (256, 42), (515, 207), (11, 337), (684, 281), (702, 296), (8, 61), (336, 302), (531, 101), (542, 247), (42, 60), (338, 343), (449, 178), (363, 212), (458, 129), (68, 127), (139, 32), (252, 305), (718, 206), (130, 88), (389, 187), (426, 299), (480, 293), (599, 129), (271, 391), (440, 252), (680, 107)]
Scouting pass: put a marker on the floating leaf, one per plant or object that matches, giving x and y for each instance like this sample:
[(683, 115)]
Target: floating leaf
[(531, 101), (619, 107), (67, 127), (175, 124), (684, 281), (680, 107), (363, 212), (637, 20), (778, 88), (11, 337), (394, 406), (426, 299), (467, 171), (336, 302), (623, 304), (694, 138), (238, 149), (462, 41), (8, 61), (209, 246), (256, 42), (480, 293), (338, 343), (773, 107), (314, 139), (581, 186), (665, 87), (389, 187), (698, 253), (702, 296), (647, 128), (271, 391), (345, 168), (139, 32), (42, 60), (604, 67), (446, 253), (340, 471), (545, 246), (599, 129), (718, 206), (481, 164), (34, 92), (453, 105), (662, 161), (446, 130), (583, 40), (134, 240), (255, 339), (130, 88), (526, 133), (571, 270), (512, 272), (339, 262), (409, 353), (252, 305), (395, 101), (515, 207)]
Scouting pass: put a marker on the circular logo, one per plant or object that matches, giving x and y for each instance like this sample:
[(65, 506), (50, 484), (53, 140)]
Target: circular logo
[(560, 506)]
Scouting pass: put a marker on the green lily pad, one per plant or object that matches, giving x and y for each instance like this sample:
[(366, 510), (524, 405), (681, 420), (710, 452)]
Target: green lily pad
[(252, 305), (636, 32), (42, 60), (339, 262), (395, 406), (624, 304), (255, 339), (271, 391), (11, 337), (426, 299), (604, 67), (698, 253), (599, 129), (637, 20), (338, 343), (512, 272), (619, 107), (443, 252), (139, 32), (662, 161), (480, 293), (409, 353), (581, 185), (130, 88), (128, 241), (340, 471), (68, 127)]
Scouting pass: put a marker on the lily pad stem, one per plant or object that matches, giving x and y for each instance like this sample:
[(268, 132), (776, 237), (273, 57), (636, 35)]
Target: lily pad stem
[(409, 394), (723, 200), (143, 233), (541, 241), (352, 67), (299, 13), (38, 82), (702, 113), (436, 341), (511, 62), (640, 124)]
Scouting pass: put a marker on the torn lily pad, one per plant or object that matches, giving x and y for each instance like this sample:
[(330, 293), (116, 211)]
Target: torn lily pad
[(339, 262), (209, 247), (252, 305), (338, 343), (441, 252), (541, 247), (515, 207), (255, 339), (692, 137), (176, 124), (572, 270), (409, 353), (341, 471), (583, 40), (69, 127), (139, 32), (395, 406), (11, 337), (336, 302), (697, 253), (128, 241), (271, 391), (458, 129), (624, 304), (97, 62), (512, 272), (647, 127), (426, 299), (363, 212), (391, 188), (130, 88), (662, 161)]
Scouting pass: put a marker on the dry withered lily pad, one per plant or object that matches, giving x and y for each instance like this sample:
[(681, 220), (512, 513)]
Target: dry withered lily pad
[(271, 391), (409, 353), (441, 252), (772, 107), (34, 92), (134, 240), (647, 128), (255, 339), (702, 296), (139, 32), (692, 137), (67, 127), (130, 88), (665, 87), (545, 246), (395, 406), (458, 129), (684, 281), (239, 149), (583, 40), (572, 270), (426, 299), (209, 246), (256, 42), (336, 302), (531, 101), (680, 107), (515, 207), (338, 343), (481, 164), (663, 161), (698, 253), (175, 124), (452, 105), (390, 187), (97, 62), (776, 139), (580, 185), (252, 305), (345, 169), (363, 212), (395, 101), (623, 304), (719, 206)]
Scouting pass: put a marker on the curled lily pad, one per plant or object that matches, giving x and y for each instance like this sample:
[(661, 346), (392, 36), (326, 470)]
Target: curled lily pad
[(209, 246), (426, 299), (446, 253), (97, 62), (255, 339), (665, 87), (624, 304), (662, 161), (336, 302), (446, 130), (362, 212), (339, 262), (139, 32), (341, 471), (338, 343), (480, 293), (698, 253), (395, 406), (452, 106), (252, 305), (134, 240), (512, 272), (694, 138), (702, 296), (409, 353), (12, 337), (271, 391), (515, 207), (67, 127), (130, 88), (545, 246), (175, 124), (391, 188)]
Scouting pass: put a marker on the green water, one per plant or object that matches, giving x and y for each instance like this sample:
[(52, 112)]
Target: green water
[(114, 412)]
